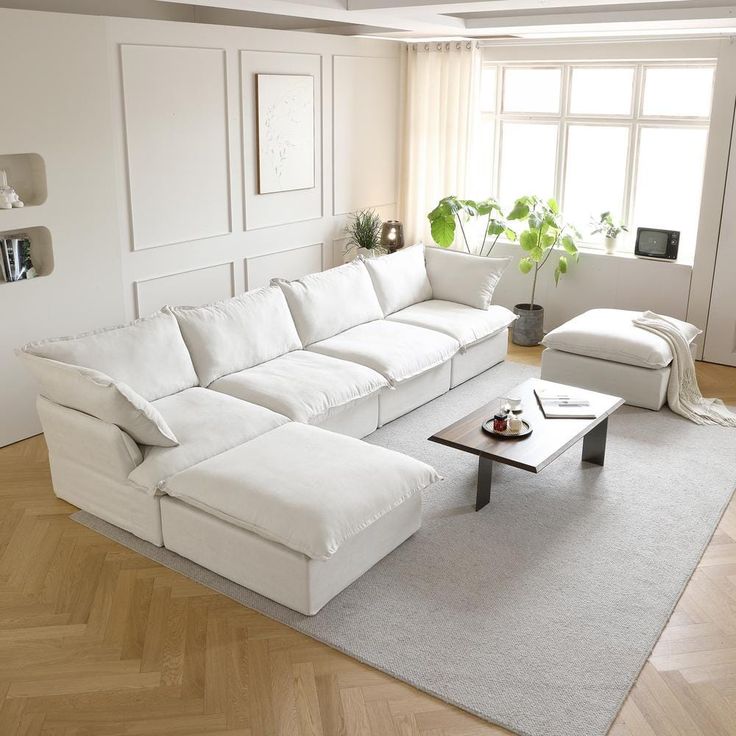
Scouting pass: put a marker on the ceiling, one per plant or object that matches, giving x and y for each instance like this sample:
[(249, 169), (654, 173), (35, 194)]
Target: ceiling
[(418, 19), (482, 18)]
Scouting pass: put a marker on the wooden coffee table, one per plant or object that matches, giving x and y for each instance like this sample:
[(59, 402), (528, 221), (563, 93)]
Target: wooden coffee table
[(548, 440)]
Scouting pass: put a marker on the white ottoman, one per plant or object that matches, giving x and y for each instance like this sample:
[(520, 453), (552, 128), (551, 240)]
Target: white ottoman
[(296, 514), (602, 350)]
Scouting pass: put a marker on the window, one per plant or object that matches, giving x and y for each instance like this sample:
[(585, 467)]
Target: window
[(626, 137)]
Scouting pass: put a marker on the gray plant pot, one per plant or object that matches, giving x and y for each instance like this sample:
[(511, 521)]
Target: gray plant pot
[(529, 328)]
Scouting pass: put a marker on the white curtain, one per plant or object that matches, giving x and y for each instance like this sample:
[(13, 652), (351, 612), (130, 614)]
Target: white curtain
[(440, 121)]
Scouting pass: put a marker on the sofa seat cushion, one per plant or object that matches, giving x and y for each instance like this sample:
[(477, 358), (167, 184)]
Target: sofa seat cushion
[(304, 487), (304, 386), (400, 279), (395, 350), (149, 355), (609, 334), (466, 324), (325, 303), (206, 423), (237, 333)]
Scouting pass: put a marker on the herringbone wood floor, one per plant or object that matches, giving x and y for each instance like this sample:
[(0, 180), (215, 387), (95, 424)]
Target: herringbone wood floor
[(96, 640)]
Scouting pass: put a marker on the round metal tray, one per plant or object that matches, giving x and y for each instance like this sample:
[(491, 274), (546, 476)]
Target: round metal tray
[(526, 430)]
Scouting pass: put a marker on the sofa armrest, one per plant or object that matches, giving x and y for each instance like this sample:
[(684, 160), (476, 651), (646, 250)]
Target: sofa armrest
[(87, 440), (463, 278)]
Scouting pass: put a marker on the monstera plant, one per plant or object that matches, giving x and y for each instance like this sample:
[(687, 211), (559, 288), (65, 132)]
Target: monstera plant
[(452, 212), (546, 235)]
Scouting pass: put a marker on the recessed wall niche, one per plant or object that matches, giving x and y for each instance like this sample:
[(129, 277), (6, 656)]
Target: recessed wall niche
[(42, 252), (27, 175)]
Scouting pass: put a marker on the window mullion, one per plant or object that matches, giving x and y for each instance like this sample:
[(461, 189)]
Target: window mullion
[(562, 135)]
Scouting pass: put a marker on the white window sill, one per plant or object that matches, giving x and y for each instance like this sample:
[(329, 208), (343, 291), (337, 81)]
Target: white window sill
[(629, 255)]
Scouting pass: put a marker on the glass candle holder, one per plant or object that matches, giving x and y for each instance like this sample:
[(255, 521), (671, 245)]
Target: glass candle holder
[(392, 235)]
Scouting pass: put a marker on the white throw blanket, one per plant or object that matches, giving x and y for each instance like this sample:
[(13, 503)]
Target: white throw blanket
[(683, 393)]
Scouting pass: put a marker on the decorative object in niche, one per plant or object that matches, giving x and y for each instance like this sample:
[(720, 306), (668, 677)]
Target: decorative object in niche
[(392, 236), (8, 196), (364, 233), (15, 258), (285, 104)]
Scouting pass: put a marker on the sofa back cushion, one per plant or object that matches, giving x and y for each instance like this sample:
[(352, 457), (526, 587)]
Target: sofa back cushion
[(327, 303), (464, 278), (238, 333), (149, 355), (400, 279), (98, 395)]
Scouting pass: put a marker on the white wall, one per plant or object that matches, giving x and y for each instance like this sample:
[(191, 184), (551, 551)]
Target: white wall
[(143, 213)]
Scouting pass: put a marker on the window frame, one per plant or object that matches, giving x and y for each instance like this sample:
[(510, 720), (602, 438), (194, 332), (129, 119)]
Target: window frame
[(634, 122)]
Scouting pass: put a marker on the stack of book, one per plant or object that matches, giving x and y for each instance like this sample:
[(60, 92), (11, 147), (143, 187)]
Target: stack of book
[(564, 404), (15, 259)]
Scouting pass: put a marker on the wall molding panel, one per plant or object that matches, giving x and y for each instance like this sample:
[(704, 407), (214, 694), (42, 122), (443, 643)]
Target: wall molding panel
[(291, 263), (176, 133), (270, 210), (190, 288)]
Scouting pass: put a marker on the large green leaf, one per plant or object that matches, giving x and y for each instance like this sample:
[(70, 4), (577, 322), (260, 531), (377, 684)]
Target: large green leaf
[(496, 227), (526, 265), (510, 234), (487, 206), (528, 239), (520, 211), (549, 239), (569, 245), (443, 231)]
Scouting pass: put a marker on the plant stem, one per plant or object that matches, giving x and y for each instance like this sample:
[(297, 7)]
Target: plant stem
[(534, 286), (485, 232), (462, 229)]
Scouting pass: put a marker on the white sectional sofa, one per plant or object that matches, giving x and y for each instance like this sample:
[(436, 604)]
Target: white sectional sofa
[(205, 429)]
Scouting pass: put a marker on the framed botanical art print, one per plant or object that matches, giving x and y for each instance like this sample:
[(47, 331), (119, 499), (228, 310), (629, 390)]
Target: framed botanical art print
[(285, 104)]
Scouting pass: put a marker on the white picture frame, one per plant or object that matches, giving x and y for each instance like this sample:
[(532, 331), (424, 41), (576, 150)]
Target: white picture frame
[(285, 109)]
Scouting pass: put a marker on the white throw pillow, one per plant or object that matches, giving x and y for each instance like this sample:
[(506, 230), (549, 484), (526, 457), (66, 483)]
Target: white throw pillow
[(98, 395), (610, 334), (463, 278), (149, 355), (326, 303), (238, 333), (400, 279)]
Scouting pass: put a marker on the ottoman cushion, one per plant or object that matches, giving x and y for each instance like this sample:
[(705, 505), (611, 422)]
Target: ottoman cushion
[(304, 487), (609, 334)]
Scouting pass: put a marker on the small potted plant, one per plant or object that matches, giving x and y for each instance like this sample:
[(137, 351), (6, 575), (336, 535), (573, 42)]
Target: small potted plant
[(364, 233), (545, 232), (611, 230)]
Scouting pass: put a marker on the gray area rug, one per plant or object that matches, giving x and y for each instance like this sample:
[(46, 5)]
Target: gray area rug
[(538, 612)]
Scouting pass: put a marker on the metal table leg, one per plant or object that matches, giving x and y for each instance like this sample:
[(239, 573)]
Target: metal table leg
[(485, 469), (594, 443)]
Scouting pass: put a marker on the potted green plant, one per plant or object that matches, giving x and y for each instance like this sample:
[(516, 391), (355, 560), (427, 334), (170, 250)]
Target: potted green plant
[(451, 213), (611, 230), (546, 233), (364, 233)]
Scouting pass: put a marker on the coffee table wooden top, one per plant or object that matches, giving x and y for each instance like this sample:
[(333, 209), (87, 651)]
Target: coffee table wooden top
[(548, 440)]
